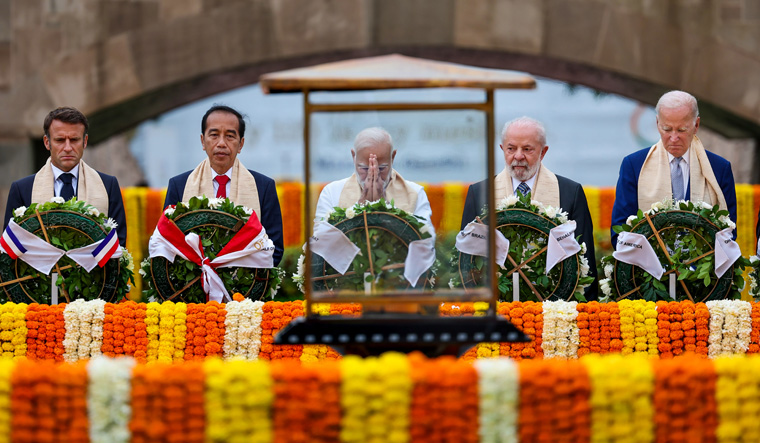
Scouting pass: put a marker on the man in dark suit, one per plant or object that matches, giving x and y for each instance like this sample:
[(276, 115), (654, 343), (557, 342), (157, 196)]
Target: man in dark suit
[(223, 175), (677, 167), (66, 175), (523, 142)]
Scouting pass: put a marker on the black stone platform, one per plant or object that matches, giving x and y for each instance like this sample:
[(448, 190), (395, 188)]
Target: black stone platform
[(373, 334)]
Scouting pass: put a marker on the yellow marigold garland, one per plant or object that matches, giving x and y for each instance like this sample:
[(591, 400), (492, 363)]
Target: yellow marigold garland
[(13, 330), (621, 398), (6, 369), (638, 326), (239, 398), (737, 394), (180, 331), (152, 316)]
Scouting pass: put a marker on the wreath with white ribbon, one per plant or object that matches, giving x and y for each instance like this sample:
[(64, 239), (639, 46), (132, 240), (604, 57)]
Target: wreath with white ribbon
[(69, 239), (370, 247), (535, 245), (207, 249), (681, 247)]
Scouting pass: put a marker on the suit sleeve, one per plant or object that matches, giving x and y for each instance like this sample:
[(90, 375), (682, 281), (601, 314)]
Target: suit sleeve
[(729, 192), (626, 197), (271, 218), (582, 217), (14, 201), (116, 210), (172, 193), (470, 210)]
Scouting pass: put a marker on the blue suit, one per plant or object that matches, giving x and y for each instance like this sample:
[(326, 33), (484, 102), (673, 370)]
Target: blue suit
[(271, 217), (626, 192), (21, 195)]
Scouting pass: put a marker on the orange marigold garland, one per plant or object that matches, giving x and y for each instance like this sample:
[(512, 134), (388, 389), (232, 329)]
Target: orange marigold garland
[(754, 344), (689, 327), (70, 403), (32, 402), (139, 313), (684, 400), (528, 317), (426, 412), (290, 416), (276, 316), (554, 401), (205, 330), (702, 325), (460, 401)]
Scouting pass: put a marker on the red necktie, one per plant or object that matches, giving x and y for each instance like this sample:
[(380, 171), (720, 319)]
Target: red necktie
[(222, 180)]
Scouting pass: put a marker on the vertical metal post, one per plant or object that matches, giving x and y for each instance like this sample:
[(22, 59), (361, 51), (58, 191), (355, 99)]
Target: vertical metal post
[(307, 224), (490, 195)]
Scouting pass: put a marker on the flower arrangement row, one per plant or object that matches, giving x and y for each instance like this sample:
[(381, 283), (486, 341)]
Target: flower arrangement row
[(173, 332), (391, 398)]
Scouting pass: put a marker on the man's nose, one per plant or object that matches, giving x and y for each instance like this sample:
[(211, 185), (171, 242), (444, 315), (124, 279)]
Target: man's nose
[(520, 155)]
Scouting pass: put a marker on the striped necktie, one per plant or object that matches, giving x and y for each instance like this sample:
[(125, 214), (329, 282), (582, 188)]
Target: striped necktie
[(523, 188), (676, 178)]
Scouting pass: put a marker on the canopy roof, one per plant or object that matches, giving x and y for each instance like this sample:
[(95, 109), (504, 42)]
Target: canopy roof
[(392, 71)]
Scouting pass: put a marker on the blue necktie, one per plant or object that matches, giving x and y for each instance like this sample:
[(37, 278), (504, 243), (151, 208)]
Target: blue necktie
[(68, 190), (523, 188), (676, 177)]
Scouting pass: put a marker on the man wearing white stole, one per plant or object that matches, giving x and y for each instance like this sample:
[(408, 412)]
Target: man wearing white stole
[(66, 175), (374, 178), (523, 141), (223, 175), (677, 167)]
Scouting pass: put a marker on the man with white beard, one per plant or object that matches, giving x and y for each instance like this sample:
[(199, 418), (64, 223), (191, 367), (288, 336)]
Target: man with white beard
[(523, 142), (374, 178)]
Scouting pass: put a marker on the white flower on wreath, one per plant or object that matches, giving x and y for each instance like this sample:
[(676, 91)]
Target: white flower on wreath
[(19, 212), (705, 205), (93, 211), (451, 284), (111, 223), (562, 217), (350, 213), (583, 248), (300, 269), (727, 221), (424, 229), (584, 266), (604, 285), (608, 270), (508, 201), (169, 211), (248, 211), (550, 211), (58, 200), (214, 203), (754, 259), (537, 204), (630, 219), (657, 206), (328, 213)]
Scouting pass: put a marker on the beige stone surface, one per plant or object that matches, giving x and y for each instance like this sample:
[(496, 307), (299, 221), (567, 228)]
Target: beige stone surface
[(413, 22), (169, 10), (516, 25), (564, 38)]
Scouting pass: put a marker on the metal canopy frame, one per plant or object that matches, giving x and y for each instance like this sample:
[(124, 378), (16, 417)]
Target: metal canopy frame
[(396, 72)]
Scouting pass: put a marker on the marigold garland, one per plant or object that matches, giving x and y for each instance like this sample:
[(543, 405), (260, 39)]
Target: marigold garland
[(6, 369), (108, 399), (45, 331), (738, 398), (754, 343), (426, 411), (621, 397), (276, 315), (528, 317), (676, 327), (152, 315), (70, 403), (84, 329), (730, 327), (680, 385), (560, 337), (13, 330), (238, 399), (702, 325), (32, 402), (638, 326), (498, 390), (242, 333), (554, 401)]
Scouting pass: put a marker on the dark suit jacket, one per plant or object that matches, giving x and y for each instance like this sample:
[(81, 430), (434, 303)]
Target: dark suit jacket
[(572, 199), (271, 217), (627, 191), (21, 195)]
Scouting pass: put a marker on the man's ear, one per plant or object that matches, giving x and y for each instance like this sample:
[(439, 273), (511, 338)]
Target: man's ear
[(46, 141), (353, 155), (543, 151), (203, 146), (393, 156), (242, 140), (84, 143)]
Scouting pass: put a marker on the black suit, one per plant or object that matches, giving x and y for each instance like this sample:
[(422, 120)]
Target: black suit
[(572, 199), (271, 217), (21, 195)]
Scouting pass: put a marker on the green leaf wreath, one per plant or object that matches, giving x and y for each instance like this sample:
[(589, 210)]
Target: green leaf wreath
[(754, 277), (215, 220), (526, 224), (687, 229), (69, 225), (390, 230)]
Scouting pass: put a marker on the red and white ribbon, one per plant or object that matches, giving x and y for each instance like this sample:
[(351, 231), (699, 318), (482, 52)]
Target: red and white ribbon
[(249, 248)]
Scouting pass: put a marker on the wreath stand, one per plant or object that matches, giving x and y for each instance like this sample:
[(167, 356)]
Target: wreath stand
[(377, 332)]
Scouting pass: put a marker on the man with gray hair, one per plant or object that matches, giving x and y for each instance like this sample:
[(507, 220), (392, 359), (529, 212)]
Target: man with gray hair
[(374, 178), (523, 141), (677, 167)]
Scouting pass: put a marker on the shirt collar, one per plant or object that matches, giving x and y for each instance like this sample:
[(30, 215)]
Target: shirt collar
[(228, 174), (57, 172), (530, 182), (685, 157)]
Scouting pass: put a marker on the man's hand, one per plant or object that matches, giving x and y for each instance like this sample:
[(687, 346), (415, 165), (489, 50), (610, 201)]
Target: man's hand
[(374, 188)]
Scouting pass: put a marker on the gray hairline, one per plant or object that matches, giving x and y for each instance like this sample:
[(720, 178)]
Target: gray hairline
[(525, 121), (371, 137), (677, 99)]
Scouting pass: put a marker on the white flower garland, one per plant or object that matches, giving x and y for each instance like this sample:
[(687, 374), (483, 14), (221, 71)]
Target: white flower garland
[(498, 388), (109, 399), (83, 321), (730, 327), (242, 336), (560, 335)]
